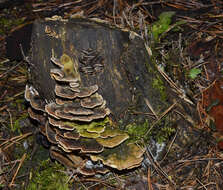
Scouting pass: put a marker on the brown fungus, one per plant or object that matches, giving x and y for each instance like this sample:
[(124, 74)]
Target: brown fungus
[(87, 91), (32, 96), (54, 122), (92, 101), (68, 144), (61, 114), (71, 93), (69, 108), (27, 93), (51, 109), (101, 170), (77, 160), (86, 171), (97, 114), (90, 146), (85, 145), (65, 92), (71, 112), (75, 89), (37, 103), (125, 156), (57, 72), (111, 142), (68, 134), (61, 157), (36, 116), (60, 124), (74, 84), (56, 62), (64, 149), (64, 79), (72, 135), (50, 133), (60, 101)]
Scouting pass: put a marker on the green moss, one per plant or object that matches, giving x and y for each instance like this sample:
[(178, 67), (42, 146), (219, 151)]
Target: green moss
[(193, 73), (159, 84), (161, 132), (137, 132), (165, 133), (49, 176), (162, 25)]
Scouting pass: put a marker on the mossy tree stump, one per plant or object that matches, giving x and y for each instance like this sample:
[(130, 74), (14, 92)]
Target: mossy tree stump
[(82, 75)]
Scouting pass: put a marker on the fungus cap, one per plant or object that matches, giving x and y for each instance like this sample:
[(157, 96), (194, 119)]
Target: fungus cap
[(111, 142), (56, 154), (36, 116), (92, 101), (83, 144), (125, 156), (50, 133)]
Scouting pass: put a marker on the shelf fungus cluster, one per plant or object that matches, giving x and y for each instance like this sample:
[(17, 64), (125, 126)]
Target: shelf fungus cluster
[(77, 126)]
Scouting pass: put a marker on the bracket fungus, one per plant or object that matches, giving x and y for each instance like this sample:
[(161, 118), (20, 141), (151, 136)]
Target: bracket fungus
[(77, 125), (125, 156)]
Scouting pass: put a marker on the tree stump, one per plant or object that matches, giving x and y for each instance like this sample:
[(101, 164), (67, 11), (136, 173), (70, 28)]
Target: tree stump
[(85, 78)]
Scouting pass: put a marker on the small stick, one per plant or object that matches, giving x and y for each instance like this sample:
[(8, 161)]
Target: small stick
[(23, 54), (158, 168), (169, 147), (17, 170), (201, 184), (25, 57), (14, 140), (162, 115), (149, 179), (11, 69), (151, 108), (10, 116)]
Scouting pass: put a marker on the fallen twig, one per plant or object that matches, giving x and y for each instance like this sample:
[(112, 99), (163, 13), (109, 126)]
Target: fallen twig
[(17, 170)]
